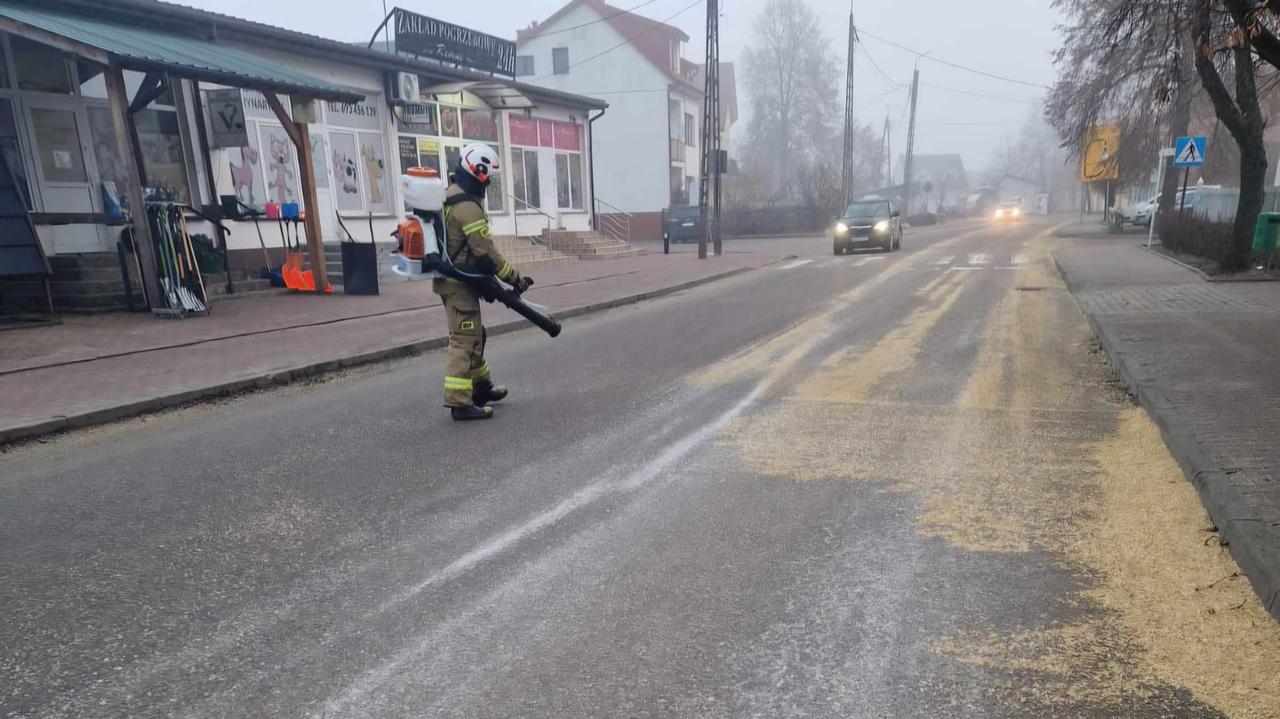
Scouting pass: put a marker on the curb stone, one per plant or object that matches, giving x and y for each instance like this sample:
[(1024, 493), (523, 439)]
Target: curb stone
[(1251, 545), (266, 380)]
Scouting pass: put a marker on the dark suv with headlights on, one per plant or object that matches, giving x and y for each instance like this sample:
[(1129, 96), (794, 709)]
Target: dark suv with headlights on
[(868, 223)]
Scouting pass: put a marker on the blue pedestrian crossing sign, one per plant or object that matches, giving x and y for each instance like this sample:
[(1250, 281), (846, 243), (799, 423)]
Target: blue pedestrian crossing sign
[(1189, 151)]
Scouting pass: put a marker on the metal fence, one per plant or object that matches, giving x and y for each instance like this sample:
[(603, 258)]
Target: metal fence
[(741, 222), (1215, 204)]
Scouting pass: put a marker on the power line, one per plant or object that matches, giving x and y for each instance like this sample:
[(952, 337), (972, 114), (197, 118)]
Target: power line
[(944, 88), (955, 65), (603, 19), (625, 41), (876, 65), (968, 124)]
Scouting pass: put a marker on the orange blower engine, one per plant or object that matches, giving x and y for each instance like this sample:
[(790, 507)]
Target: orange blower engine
[(419, 238)]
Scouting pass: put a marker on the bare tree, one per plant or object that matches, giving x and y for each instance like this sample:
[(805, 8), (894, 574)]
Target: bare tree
[(1126, 63), (1223, 52), (791, 85), (1258, 24)]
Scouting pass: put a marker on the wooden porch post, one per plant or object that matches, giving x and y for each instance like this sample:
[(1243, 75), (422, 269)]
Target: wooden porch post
[(299, 133), (119, 101)]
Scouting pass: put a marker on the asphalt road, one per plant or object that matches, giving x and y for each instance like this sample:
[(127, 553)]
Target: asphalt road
[(884, 485)]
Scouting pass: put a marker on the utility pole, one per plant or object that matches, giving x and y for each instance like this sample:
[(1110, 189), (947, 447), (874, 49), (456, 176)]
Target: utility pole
[(846, 182), (911, 145), (884, 167), (709, 184)]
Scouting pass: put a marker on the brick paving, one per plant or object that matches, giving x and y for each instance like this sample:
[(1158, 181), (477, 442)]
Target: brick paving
[(1205, 361), (94, 369)]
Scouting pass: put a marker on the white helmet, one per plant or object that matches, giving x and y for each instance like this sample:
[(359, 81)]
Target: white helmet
[(480, 161)]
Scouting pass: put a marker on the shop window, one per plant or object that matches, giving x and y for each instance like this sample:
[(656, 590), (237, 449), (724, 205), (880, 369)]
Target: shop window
[(560, 60), (58, 145), (569, 180), (106, 155), (40, 68), (162, 157), (524, 179), (524, 65)]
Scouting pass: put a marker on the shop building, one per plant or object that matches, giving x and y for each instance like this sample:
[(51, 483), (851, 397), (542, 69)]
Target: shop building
[(185, 71), (647, 149)]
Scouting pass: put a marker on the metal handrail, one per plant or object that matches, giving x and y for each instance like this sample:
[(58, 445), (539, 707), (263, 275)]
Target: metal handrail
[(515, 219), (531, 207), (616, 210)]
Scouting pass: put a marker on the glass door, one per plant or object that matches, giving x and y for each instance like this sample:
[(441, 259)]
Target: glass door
[(65, 170)]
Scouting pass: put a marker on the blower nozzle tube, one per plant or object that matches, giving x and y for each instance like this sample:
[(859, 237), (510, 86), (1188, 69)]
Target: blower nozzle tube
[(493, 291)]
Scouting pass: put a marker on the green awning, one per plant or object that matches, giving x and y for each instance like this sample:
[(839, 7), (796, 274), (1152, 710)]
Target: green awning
[(145, 49)]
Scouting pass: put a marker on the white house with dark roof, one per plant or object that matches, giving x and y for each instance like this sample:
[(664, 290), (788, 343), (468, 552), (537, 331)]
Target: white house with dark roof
[(647, 144)]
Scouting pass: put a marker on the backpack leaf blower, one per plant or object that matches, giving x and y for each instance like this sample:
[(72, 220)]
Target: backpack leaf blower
[(423, 249)]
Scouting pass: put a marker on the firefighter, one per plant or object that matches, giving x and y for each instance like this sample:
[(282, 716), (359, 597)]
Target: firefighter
[(468, 387)]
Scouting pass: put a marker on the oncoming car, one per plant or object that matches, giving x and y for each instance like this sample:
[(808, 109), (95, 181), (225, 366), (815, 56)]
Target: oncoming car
[(1008, 210), (868, 223)]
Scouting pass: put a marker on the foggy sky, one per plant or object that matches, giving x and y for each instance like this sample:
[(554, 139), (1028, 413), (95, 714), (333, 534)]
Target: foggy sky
[(1006, 37)]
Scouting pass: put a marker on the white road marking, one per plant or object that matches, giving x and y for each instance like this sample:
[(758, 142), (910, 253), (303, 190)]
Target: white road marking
[(794, 264), (583, 497), (866, 260), (1018, 260), (965, 269), (979, 259), (832, 263), (946, 260)]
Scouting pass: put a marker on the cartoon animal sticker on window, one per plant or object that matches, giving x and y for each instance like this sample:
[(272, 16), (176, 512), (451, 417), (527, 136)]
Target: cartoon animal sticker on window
[(373, 170), (280, 169), (242, 176), (345, 172)]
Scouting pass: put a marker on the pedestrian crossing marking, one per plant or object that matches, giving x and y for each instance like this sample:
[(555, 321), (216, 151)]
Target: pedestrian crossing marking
[(866, 260), (946, 260), (794, 264), (963, 268), (979, 259), (833, 263), (1018, 260)]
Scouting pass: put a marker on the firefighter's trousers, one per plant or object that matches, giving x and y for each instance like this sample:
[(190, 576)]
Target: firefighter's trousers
[(465, 365)]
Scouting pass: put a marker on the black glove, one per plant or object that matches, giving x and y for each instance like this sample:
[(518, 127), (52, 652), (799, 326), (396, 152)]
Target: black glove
[(521, 284)]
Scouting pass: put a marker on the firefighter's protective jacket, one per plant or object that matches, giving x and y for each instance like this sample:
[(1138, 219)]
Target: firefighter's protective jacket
[(467, 233)]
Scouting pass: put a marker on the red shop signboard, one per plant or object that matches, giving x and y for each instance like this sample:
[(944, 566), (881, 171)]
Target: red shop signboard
[(523, 131), (567, 136)]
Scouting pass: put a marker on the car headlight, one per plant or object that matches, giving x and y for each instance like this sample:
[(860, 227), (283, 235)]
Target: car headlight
[(881, 226), (999, 214), (841, 227), (1015, 212)]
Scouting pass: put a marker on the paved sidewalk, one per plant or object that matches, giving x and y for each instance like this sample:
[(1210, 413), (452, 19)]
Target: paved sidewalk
[(91, 370), (1204, 360)]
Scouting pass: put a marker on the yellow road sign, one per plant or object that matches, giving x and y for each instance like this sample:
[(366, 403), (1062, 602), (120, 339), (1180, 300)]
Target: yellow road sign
[(1099, 159)]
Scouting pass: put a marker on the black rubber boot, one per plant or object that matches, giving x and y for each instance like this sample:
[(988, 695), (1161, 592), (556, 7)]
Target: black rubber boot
[(471, 411), (486, 392)]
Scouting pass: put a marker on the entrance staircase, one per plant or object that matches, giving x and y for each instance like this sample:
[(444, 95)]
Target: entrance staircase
[(87, 283), (589, 245)]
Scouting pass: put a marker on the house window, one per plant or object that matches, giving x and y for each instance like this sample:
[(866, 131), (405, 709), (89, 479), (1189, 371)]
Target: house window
[(690, 131), (675, 55), (569, 180), (524, 179), (40, 68), (524, 65), (560, 60)]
